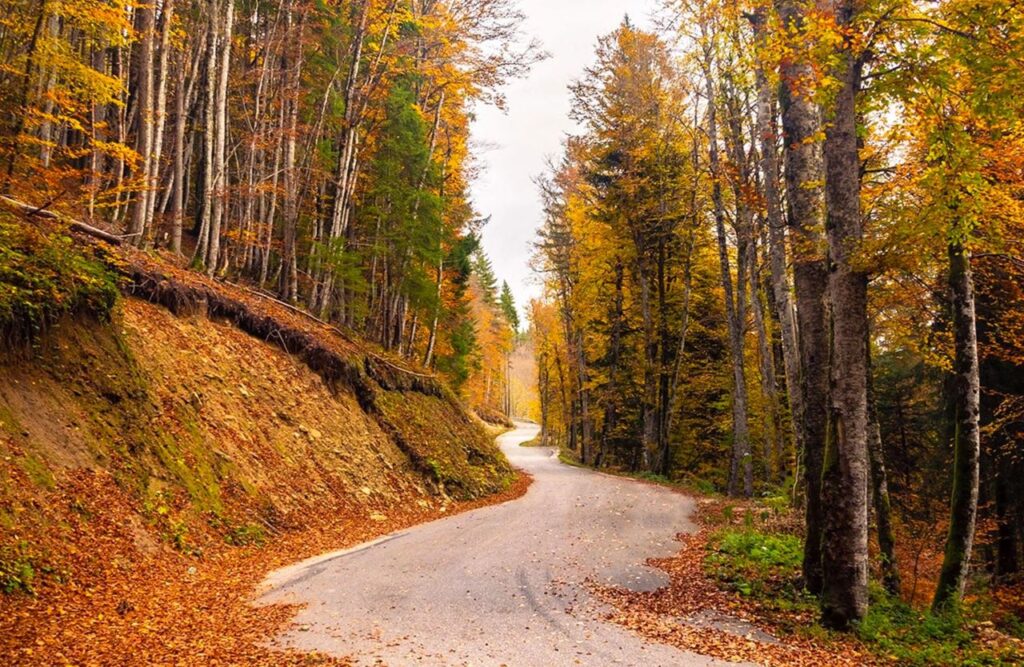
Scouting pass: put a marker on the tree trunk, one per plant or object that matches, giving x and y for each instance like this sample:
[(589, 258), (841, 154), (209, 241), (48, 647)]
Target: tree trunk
[(845, 468), (801, 123), (649, 441), (289, 272), (880, 492), (14, 150), (741, 463), (178, 202), (966, 398), (209, 138), (143, 65), (166, 16), (772, 449), (684, 331), (767, 131), (220, 177), (883, 510)]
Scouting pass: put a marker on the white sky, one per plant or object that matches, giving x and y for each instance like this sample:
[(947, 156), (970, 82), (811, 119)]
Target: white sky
[(513, 146)]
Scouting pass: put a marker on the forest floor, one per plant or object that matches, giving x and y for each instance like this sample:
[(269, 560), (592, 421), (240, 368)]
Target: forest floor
[(166, 440), (735, 593), (172, 609)]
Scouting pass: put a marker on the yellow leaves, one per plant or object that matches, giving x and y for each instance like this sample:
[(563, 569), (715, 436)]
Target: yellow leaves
[(117, 151), (104, 21)]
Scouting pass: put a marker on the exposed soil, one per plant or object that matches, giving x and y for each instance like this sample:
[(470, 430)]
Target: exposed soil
[(155, 467)]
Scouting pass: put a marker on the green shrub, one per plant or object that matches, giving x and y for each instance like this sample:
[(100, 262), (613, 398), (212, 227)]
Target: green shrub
[(248, 534), (44, 276), (761, 565), (763, 549), (17, 569)]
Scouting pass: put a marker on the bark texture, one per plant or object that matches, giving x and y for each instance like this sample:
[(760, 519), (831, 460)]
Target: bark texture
[(844, 548), (801, 122), (966, 397)]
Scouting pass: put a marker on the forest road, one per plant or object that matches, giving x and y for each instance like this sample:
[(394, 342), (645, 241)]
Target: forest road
[(502, 585)]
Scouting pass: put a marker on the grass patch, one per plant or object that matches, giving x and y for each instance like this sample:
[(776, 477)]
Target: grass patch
[(764, 566), (912, 637)]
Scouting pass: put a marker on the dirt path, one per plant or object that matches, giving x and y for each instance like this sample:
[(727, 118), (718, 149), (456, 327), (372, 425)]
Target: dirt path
[(497, 586)]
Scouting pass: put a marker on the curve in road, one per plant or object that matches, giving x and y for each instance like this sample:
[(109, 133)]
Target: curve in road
[(502, 585)]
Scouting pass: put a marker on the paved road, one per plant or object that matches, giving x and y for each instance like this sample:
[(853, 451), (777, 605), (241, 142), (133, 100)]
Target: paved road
[(500, 585)]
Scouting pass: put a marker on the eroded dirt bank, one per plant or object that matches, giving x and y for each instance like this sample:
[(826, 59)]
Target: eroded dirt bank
[(155, 466)]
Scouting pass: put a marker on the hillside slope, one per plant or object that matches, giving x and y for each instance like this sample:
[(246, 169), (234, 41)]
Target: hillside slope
[(190, 421)]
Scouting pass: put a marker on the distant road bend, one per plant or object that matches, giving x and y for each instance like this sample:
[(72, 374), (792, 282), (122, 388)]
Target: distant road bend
[(500, 585)]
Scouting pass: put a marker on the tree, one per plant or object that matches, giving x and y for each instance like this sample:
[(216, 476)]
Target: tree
[(508, 307), (845, 467), (803, 176)]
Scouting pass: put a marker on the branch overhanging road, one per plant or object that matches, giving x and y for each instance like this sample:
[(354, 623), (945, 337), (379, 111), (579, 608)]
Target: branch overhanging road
[(502, 585)]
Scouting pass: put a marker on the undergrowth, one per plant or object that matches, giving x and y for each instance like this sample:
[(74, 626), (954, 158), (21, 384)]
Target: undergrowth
[(764, 567), (17, 569), (45, 275)]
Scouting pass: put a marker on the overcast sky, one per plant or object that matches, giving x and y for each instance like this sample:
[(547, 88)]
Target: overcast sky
[(513, 145)]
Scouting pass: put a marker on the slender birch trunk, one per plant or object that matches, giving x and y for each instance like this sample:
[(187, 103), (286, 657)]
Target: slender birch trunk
[(143, 66), (220, 176), (160, 111)]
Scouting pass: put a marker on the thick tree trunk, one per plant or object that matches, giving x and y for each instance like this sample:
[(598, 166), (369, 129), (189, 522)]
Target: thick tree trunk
[(845, 468), (966, 397), (801, 123)]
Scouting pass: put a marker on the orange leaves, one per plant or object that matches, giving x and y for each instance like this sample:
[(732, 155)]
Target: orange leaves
[(121, 605), (693, 614)]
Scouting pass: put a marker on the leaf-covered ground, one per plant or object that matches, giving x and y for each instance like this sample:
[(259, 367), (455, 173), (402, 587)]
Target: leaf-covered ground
[(155, 465), (734, 594), (167, 607)]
